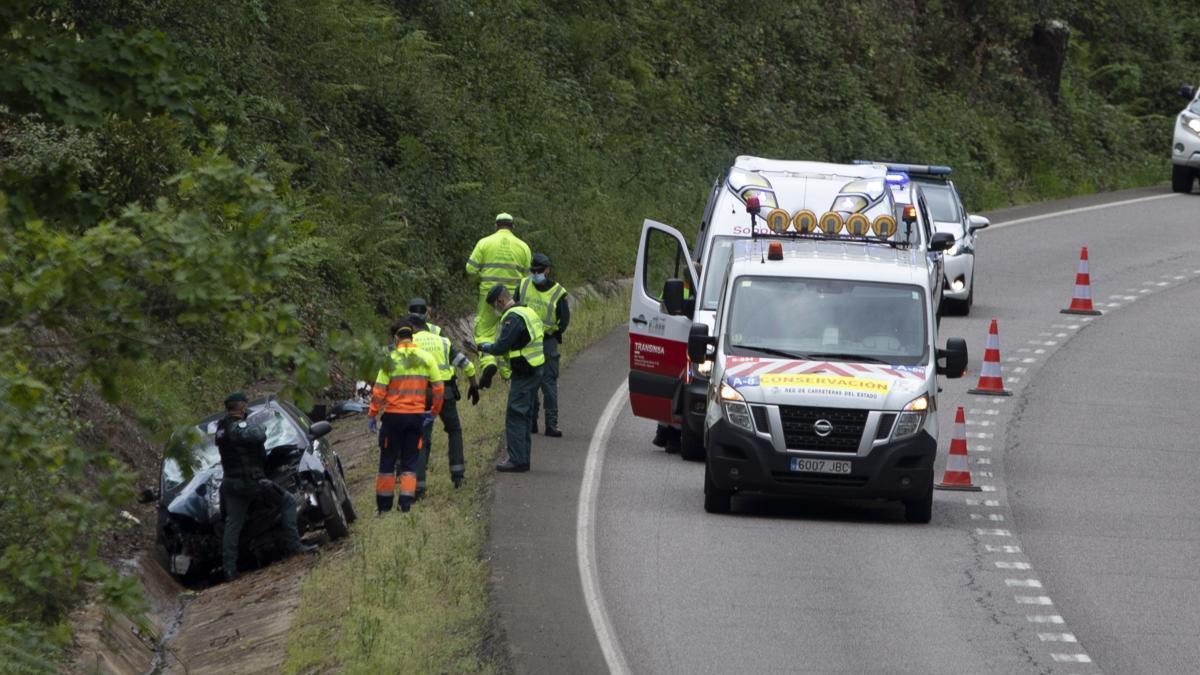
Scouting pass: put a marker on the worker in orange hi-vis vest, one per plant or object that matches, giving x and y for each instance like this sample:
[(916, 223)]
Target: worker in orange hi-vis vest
[(401, 391)]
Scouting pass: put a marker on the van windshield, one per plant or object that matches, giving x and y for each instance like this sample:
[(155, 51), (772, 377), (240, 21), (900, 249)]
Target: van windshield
[(719, 252), (827, 320)]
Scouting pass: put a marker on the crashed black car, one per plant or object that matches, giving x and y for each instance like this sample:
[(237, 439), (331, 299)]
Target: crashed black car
[(190, 522)]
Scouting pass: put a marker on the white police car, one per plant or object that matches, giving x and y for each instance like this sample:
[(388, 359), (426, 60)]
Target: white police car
[(1185, 150)]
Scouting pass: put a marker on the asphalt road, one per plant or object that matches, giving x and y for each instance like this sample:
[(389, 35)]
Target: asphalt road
[(1080, 557)]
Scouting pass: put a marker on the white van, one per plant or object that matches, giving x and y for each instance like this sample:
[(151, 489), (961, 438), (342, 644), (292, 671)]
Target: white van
[(673, 390), (824, 364)]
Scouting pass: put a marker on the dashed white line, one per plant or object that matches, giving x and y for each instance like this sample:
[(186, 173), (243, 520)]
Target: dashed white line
[(1045, 618), (1071, 658), (1007, 565), (992, 548), (984, 532), (1033, 600), (1057, 637), (1022, 583)]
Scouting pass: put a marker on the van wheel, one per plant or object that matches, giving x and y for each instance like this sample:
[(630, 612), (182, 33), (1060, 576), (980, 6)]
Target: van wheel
[(1182, 178), (716, 500), (919, 510), (691, 446)]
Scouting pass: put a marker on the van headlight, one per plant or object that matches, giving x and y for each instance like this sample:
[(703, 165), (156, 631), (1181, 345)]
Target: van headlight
[(736, 411), (704, 369), (912, 418)]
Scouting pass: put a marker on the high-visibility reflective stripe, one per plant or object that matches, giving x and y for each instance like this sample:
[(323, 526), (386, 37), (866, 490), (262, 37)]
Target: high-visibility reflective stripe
[(500, 280), (457, 468), (506, 266), (385, 484), (408, 484)]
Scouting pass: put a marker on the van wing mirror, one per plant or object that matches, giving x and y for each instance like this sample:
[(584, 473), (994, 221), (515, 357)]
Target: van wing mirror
[(955, 354), (1187, 91), (976, 223), (941, 241), (698, 343), (672, 296)]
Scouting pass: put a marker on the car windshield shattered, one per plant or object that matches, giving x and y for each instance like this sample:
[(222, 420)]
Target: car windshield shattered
[(194, 449), (827, 320)]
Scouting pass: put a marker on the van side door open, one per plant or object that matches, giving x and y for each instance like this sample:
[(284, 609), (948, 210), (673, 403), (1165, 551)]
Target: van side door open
[(660, 318)]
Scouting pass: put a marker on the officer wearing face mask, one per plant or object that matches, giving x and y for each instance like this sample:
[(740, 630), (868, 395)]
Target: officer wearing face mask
[(548, 299)]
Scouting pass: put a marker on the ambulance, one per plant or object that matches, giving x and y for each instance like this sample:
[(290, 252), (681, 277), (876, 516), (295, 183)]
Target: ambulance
[(672, 390), (821, 353)]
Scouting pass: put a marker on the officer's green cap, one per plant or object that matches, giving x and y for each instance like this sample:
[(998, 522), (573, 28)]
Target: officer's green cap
[(417, 302), (236, 397), (540, 261), (494, 294), (504, 218)]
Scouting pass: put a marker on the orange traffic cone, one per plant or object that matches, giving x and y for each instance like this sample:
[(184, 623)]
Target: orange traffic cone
[(991, 380), (958, 475), (1081, 302)]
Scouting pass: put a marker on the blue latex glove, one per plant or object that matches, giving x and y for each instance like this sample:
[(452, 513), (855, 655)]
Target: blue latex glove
[(428, 421), (372, 425)]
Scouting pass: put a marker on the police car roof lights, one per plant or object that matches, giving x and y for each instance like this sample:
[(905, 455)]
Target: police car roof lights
[(939, 170)]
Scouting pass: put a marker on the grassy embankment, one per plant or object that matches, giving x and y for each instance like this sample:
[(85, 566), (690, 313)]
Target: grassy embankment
[(411, 590)]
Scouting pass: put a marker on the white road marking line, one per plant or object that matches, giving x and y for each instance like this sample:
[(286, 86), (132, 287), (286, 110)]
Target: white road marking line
[(983, 460), (999, 400), (1044, 618), (1013, 380), (985, 474), (1022, 583), (985, 502), (982, 448), (1111, 304), (983, 411), (1163, 283), (1007, 565), (1033, 600), (1010, 359), (991, 548), (979, 423), (1020, 369), (987, 488), (1081, 209), (1073, 326), (1039, 351), (1179, 277), (1061, 335), (996, 517), (1144, 290), (1071, 658), (1029, 360), (585, 535), (979, 434), (992, 532), (1057, 637)]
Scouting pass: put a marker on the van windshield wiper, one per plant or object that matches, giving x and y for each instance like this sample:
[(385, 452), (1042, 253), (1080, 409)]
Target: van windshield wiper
[(842, 356), (775, 352)]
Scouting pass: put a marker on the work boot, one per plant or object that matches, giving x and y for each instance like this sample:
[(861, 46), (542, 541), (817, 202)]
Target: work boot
[(458, 481), (508, 466), (489, 371), (551, 432), (305, 549), (660, 437), (420, 492)]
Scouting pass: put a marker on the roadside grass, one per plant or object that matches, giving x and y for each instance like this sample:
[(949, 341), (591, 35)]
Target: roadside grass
[(411, 591)]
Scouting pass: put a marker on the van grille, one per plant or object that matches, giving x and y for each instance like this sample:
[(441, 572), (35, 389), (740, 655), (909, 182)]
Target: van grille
[(799, 434)]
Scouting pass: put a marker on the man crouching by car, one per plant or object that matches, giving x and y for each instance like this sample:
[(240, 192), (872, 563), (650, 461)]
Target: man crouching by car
[(242, 444)]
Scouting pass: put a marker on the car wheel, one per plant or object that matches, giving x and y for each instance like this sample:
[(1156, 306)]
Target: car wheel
[(716, 500), (335, 518), (1182, 178), (691, 446), (347, 503), (919, 510)]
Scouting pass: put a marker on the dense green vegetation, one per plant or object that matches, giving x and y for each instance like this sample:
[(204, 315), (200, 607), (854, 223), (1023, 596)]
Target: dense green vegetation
[(199, 195)]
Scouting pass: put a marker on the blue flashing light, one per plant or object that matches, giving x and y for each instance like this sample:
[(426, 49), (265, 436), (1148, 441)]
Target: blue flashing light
[(897, 179)]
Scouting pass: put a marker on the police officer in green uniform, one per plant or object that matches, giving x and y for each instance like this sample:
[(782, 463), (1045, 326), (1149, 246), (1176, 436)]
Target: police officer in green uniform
[(242, 444), (549, 300), (520, 337)]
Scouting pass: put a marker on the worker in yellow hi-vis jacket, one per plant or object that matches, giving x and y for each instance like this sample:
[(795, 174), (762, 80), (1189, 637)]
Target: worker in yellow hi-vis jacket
[(499, 258)]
